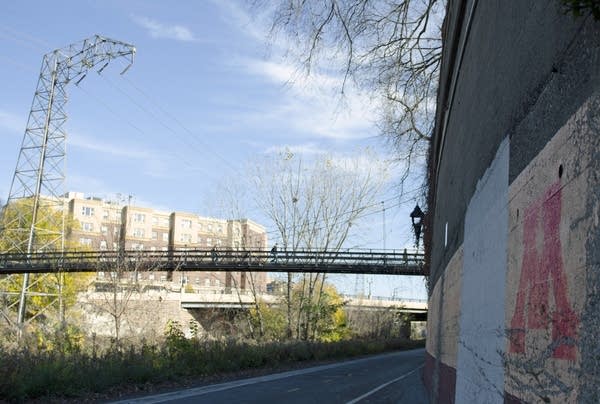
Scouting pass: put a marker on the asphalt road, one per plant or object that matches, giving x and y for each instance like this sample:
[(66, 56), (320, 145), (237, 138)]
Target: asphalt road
[(388, 378)]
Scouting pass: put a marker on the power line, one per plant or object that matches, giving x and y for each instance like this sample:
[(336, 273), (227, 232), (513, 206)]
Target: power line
[(373, 212), (35, 43), (182, 158), (193, 136), (186, 141), (40, 44)]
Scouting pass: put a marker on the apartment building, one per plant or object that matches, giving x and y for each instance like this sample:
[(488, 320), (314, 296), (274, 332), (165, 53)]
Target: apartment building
[(106, 225)]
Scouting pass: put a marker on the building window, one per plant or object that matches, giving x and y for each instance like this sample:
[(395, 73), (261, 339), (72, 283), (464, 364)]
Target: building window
[(139, 233), (104, 230), (208, 241), (209, 227), (207, 282), (87, 226), (116, 232), (186, 224), (105, 214), (220, 229), (217, 282), (199, 239), (137, 246), (186, 238), (197, 280), (150, 276), (154, 221), (152, 248), (87, 211), (165, 237), (154, 235), (103, 245), (199, 226), (164, 249), (219, 242), (100, 275), (165, 222), (163, 278), (85, 241), (139, 217)]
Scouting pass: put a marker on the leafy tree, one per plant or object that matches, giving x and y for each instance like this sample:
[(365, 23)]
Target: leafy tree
[(323, 318), (49, 295), (271, 319), (327, 321)]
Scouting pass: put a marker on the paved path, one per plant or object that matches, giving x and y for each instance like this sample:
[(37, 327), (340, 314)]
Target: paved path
[(388, 378)]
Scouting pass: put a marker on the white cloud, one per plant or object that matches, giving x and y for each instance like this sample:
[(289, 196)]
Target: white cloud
[(312, 105), (303, 149), (153, 162), (157, 29), (85, 142), (236, 17), (91, 186), (12, 122), (285, 73)]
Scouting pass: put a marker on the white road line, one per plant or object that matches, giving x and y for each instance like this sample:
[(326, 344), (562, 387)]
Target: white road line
[(376, 389), (198, 391)]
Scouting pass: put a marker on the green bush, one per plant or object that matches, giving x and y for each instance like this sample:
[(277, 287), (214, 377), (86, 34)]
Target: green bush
[(28, 374)]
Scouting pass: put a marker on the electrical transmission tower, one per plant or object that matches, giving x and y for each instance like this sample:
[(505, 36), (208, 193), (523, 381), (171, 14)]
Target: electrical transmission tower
[(34, 217)]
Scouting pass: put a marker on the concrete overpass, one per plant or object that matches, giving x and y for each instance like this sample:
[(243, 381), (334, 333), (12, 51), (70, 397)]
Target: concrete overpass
[(244, 299)]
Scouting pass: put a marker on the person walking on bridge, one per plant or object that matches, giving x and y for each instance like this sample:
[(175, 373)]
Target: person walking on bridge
[(214, 255), (274, 253)]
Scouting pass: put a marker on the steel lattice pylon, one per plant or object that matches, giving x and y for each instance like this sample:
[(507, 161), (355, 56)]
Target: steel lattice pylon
[(33, 219)]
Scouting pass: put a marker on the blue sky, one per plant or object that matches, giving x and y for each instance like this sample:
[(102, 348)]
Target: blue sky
[(204, 96)]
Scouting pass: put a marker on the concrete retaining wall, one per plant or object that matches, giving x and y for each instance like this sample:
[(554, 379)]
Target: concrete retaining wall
[(514, 305)]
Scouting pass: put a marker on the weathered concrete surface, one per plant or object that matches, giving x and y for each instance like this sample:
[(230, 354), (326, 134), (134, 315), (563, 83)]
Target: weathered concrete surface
[(142, 315), (518, 54), (479, 369), (531, 72), (552, 276), (442, 332)]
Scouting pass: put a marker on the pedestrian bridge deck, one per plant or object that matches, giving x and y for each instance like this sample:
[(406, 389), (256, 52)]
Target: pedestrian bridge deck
[(389, 262)]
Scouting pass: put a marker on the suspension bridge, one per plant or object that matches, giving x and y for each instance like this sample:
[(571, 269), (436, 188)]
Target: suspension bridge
[(384, 262)]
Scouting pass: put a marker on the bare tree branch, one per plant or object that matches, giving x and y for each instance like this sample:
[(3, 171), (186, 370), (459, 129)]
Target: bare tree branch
[(390, 48)]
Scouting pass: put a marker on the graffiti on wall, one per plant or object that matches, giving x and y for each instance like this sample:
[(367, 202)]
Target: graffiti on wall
[(542, 273)]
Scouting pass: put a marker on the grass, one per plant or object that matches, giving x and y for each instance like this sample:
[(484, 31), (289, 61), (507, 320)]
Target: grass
[(26, 375)]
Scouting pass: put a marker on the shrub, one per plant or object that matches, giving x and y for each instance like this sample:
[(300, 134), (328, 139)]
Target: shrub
[(29, 374)]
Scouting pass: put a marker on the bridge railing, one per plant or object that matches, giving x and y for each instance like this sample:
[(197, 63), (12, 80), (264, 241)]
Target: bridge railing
[(207, 259)]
